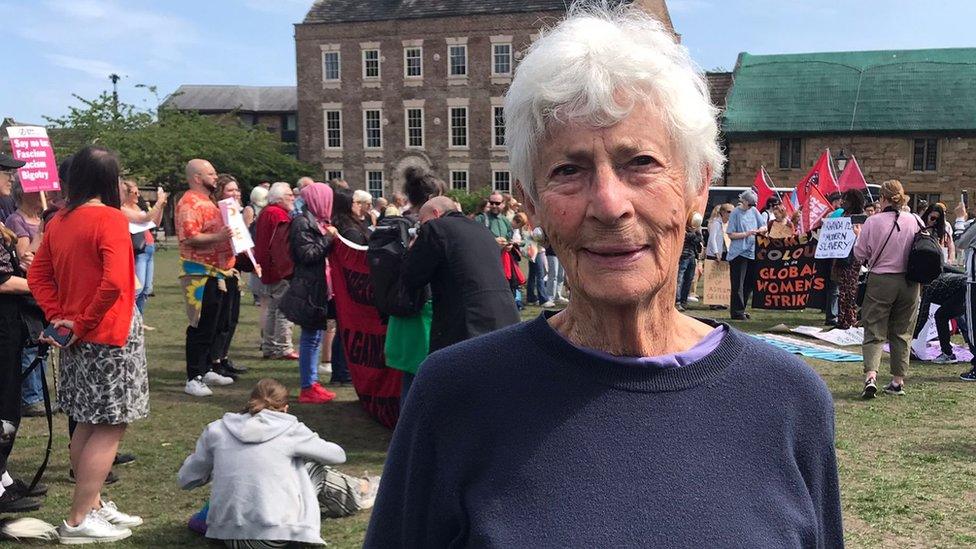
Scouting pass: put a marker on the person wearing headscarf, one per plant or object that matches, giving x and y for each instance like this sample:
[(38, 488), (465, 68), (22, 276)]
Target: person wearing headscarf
[(306, 301)]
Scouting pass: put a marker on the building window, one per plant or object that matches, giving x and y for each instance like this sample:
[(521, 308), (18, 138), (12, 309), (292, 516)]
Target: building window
[(918, 201), (289, 128), (415, 128), (459, 127), (333, 174), (502, 181), (374, 183), (458, 60), (925, 155), (459, 180), (371, 64), (373, 129), (248, 119), (789, 153), (498, 127), (333, 129), (501, 59), (330, 66), (413, 62)]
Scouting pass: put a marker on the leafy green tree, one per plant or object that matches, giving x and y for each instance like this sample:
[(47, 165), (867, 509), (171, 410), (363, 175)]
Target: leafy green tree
[(470, 201), (155, 146)]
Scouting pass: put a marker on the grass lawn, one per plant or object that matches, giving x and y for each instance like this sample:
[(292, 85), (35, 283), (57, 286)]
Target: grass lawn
[(906, 464)]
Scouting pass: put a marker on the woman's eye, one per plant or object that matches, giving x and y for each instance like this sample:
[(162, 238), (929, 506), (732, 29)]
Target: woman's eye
[(644, 160), (565, 170)]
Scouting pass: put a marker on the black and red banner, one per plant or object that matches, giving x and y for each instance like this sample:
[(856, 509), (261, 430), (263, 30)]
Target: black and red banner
[(787, 275)]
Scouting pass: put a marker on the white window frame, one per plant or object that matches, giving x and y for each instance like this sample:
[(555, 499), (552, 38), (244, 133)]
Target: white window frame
[(379, 64), (338, 55), (407, 127), (494, 54), (494, 181), (368, 182), (450, 74), (329, 173), (467, 180), (406, 73), (450, 127), (366, 144), (325, 123), (495, 127)]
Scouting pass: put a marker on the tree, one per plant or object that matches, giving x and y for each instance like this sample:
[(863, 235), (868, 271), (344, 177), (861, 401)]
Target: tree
[(155, 146), (470, 201)]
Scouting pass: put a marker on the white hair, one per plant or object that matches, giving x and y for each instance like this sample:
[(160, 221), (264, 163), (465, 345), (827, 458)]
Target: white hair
[(277, 192), (574, 70), (362, 196)]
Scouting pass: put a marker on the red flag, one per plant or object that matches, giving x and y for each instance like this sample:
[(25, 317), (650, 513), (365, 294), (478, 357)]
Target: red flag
[(820, 176), (815, 208), (763, 185), (788, 204), (851, 177)]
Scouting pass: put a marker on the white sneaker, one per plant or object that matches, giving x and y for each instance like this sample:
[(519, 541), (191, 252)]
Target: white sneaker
[(562, 300), (94, 529), (325, 369), (213, 378), (112, 514), (945, 359), (196, 387), (693, 298), (548, 304)]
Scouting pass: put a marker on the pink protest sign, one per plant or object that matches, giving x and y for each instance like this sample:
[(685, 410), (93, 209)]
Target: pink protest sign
[(30, 144)]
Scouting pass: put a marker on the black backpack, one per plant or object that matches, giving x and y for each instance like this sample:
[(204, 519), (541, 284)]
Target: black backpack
[(387, 248), (925, 257)]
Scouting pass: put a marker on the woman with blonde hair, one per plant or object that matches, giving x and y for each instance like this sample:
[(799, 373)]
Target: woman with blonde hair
[(891, 300), (258, 464)]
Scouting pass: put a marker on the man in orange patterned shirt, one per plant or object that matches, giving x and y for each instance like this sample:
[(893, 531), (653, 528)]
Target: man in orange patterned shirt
[(207, 278)]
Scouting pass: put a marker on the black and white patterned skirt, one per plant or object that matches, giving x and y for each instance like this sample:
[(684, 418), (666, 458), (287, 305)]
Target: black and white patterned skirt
[(103, 384)]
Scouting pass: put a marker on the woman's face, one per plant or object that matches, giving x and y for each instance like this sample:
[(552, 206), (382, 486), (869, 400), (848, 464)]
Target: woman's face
[(932, 219), (130, 193), (614, 204), (726, 212), (6, 182), (779, 212), (232, 190)]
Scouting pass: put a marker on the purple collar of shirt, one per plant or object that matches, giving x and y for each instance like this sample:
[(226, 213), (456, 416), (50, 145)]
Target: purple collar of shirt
[(707, 344)]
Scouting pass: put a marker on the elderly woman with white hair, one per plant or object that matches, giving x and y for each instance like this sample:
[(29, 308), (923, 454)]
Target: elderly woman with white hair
[(273, 254), (617, 421)]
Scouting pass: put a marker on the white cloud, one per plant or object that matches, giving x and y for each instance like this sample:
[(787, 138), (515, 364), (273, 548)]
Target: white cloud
[(94, 68)]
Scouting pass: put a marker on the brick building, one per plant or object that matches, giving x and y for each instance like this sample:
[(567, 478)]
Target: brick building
[(383, 85), (906, 115), (274, 108)]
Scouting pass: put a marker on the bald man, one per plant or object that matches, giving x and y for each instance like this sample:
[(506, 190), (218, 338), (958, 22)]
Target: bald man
[(208, 263), (459, 258)]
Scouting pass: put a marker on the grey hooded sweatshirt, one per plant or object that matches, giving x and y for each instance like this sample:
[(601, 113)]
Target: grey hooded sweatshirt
[(260, 489)]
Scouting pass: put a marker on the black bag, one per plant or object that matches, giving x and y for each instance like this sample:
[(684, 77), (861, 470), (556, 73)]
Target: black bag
[(862, 281), (387, 248), (138, 242), (925, 257)]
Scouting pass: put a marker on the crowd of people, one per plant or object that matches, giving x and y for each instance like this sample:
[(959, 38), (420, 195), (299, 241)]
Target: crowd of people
[(892, 308)]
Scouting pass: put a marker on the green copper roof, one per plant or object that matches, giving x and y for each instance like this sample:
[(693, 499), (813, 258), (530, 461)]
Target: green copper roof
[(863, 91)]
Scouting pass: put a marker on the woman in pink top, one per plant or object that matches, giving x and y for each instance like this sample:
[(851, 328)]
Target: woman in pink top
[(891, 301)]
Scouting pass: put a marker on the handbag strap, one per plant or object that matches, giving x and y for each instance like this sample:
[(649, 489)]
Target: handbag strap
[(878, 255), (42, 351)]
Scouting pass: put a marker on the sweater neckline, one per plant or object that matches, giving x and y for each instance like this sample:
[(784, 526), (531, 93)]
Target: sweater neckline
[(636, 378)]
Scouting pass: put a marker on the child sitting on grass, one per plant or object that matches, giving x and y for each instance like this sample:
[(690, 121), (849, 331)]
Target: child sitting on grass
[(261, 490)]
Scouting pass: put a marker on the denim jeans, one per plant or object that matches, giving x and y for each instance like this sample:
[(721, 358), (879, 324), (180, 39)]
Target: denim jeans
[(536, 283), (686, 276), (144, 272), (555, 279), (31, 390), (340, 370), (309, 352)]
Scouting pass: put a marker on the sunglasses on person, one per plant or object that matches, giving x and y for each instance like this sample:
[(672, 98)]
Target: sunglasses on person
[(493, 203)]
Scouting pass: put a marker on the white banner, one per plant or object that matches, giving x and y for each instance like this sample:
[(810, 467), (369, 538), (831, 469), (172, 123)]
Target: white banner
[(836, 238)]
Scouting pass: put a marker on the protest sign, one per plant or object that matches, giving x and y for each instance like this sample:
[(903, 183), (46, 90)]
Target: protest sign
[(786, 274), (836, 238), (30, 144), (233, 218), (844, 338), (718, 284), (363, 333)]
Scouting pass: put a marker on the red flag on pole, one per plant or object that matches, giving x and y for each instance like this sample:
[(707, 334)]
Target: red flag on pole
[(821, 176), (815, 208), (788, 204), (763, 185), (851, 177)]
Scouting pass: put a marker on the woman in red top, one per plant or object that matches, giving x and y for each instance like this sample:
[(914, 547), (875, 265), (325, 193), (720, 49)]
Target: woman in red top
[(84, 279)]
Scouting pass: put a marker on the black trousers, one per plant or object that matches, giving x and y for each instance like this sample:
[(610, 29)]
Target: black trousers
[(207, 342), (234, 314), (11, 347), (743, 273)]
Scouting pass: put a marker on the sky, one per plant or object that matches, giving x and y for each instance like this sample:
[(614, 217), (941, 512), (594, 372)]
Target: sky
[(55, 48)]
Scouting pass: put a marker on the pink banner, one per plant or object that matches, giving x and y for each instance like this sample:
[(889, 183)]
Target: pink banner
[(30, 144)]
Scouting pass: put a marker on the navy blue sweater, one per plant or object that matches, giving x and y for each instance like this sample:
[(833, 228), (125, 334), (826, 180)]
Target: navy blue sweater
[(520, 439)]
